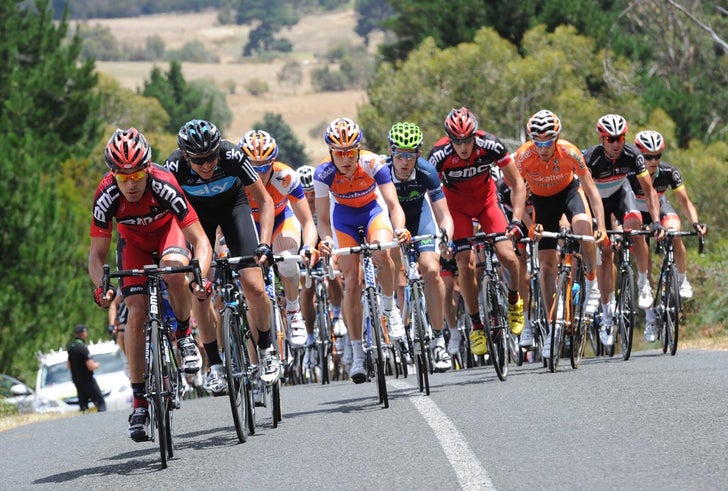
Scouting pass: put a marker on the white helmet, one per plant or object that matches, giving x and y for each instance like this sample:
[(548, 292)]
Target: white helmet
[(305, 172)]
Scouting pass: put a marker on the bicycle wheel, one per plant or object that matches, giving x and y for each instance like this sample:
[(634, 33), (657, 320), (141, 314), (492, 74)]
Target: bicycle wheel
[(276, 399), (538, 317), (558, 321), (422, 365), (465, 327), (235, 370), (376, 326), (173, 396), (671, 315), (624, 315), (155, 384), (496, 327), (578, 321), (324, 347)]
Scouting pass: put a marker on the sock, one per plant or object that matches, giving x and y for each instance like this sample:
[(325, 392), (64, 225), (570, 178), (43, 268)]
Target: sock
[(606, 310), (264, 340), (387, 302), (436, 334), (293, 306), (650, 315), (336, 311), (183, 328), (681, 277), (477, 323), (357, 350), (213, 353), (591, 276), (310, 338), (641, 279), (138, 391), (590, 284), (512, 296)]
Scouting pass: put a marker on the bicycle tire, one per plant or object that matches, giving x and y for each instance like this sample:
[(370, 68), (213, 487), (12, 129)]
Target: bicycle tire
[(464, 325), (496, 324), (422, 366), (578, 321), (277, 411), (324, 349), (558, 322), (234, 370), (625, 312), (376, 326), (155, 388), (672, 309), (172, 395), (538, 317)]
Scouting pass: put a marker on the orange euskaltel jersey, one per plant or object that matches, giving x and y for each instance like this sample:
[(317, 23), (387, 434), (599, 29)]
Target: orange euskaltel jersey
[(549, 178)]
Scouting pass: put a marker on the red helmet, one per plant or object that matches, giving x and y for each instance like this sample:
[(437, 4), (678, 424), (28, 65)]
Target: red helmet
[(127, 150), (461, 123)]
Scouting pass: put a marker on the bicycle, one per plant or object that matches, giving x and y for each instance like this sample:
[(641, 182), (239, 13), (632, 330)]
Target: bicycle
[(567, 311), (667, 299), (502, 345), (236, 335), (372, 315), (536, 306), (162, 376)]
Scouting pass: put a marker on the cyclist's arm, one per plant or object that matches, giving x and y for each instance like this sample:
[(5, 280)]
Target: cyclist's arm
[(653, 204), (518, 189), (396, 215), (266, 210), (443, 217), (595, 199), (308, 228), (324, 219), (686, 204), (97, 255), (195, 235)]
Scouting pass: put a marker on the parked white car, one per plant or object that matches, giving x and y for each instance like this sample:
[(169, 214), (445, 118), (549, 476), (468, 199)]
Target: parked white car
[(15, 392), (54, 389)]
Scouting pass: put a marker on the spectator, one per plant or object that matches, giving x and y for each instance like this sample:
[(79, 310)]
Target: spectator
[(82, 368)]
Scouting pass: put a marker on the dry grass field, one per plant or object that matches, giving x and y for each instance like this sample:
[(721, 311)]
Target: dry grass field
[(302, 110)]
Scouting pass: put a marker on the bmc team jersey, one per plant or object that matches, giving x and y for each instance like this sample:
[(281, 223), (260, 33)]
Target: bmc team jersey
[(609, 175), (667, 176), (552, 177), (162, 202), (284, 186)]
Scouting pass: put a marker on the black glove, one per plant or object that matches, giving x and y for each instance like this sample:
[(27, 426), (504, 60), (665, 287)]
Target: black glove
[(657, 229), (516, 227), (264, 250), (698, 225)]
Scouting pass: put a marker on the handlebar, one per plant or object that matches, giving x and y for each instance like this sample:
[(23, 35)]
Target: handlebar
[(151, 270)]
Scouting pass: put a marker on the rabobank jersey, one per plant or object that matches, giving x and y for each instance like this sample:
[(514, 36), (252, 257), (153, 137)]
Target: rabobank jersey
[(162, 201), (360, 189), (233, 171), (284, 186), (423, 181), (608, 174)]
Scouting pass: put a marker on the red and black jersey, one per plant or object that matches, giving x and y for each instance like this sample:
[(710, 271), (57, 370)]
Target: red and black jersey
[(162, 201)]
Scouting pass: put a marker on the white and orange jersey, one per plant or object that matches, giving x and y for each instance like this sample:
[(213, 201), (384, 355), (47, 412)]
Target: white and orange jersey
[(360, 189), (283, 186), (549, 178)]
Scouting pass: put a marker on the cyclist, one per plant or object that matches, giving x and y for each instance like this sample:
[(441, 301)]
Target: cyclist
[(215, 174), (348, 183), (463, 159), (664, 176), (420, 194), (559, 180), (610, 162), (152, 215), (333, 289), (292, 223)]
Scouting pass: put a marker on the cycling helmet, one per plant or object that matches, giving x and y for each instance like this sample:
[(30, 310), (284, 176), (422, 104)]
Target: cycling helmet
[(343, 133), (649, 141), (305, 172), (259, 146), (405, 135), (612, 125), (127, 150), (461, 123), (544, 124), (198, 137)]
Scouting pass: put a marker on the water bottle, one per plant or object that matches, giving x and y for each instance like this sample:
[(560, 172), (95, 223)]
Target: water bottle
[(575, 293)]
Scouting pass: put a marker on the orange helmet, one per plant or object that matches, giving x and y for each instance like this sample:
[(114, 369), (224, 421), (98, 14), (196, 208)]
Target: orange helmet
[(343, 133)]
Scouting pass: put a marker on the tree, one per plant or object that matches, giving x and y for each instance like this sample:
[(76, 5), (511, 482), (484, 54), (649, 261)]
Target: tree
[(369, 16), (271, 16), (291, 75), (290, 150)]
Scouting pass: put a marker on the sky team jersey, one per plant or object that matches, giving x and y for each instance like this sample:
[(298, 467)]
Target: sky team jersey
[(608, 174), (424, 180), (552, 177), (467, 177), (667, 176), (233, 171), (358, 191), (162, 201), (284, 186)]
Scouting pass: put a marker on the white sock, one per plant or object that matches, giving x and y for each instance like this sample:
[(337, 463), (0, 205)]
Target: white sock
[(681, 278), (650, 315), (387, 302), (641, 279), (293, 306), (606, 310), (357, 350)]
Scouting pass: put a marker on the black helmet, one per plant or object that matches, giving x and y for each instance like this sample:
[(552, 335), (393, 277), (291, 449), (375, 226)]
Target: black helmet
[(198, 137)]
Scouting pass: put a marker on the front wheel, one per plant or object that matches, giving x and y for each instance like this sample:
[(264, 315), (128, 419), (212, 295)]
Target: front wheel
[(624, 316), (155, 384), (376, 326), (235, 371), (671, 315), (496, 327)]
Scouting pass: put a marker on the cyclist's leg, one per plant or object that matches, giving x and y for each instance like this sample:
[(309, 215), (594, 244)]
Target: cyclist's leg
[(287, 241)]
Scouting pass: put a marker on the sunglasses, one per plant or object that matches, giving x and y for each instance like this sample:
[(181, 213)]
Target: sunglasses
[(201, 159), (136, 176), (347, 154), (656, 156), (461, 141), (544, 144), (404, 155), (261, 166), (614, 139)]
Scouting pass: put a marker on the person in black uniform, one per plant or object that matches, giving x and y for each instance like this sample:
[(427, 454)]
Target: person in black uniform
[(82, 368)]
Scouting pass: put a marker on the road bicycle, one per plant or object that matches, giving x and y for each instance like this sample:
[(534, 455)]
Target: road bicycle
[(668, 304), (493, 302), (162, 376), (567, 314), (537, 315), (236, 337), (373, 329)]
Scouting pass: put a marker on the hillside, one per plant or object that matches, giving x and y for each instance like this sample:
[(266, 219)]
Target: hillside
[(302, 110)]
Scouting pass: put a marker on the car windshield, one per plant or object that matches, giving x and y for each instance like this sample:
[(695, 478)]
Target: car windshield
[(59, 373)]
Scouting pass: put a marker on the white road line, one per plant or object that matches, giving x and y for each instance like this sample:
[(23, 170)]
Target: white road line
[(471, 474)]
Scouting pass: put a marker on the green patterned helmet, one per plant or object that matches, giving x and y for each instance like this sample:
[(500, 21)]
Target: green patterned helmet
[(405, 135)]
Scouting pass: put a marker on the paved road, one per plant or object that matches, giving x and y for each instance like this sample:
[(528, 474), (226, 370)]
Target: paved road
[(655, 422)]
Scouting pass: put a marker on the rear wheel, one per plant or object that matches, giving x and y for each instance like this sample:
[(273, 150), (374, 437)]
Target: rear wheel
[(235, 371), (276, 397), (624, 315), (538, 317), (558, 322), (672, 310)]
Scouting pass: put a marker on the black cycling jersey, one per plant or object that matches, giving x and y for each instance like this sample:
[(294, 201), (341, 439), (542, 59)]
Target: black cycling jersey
[(667, 176), (608, 174)]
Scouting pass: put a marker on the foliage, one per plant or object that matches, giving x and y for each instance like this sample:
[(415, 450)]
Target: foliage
[(326, 80), (290, 150), (127, 8), (370, 14), (193, 52), (184, 101), (271, 16), (98, 43), (122, 108), (291, 75), (257, 87)]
